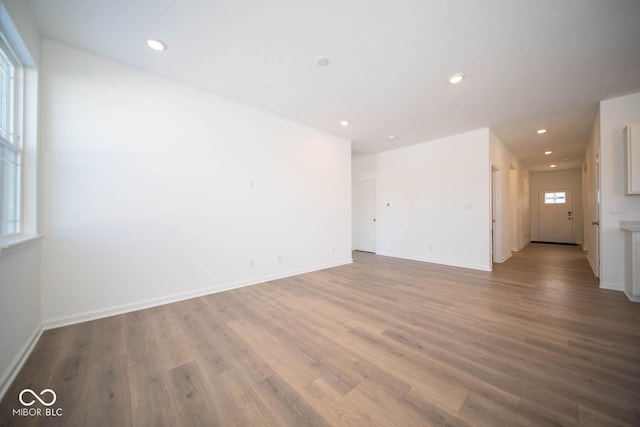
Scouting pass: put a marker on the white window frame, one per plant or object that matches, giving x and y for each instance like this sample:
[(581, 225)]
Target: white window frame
[(13, 141), (25, 137)]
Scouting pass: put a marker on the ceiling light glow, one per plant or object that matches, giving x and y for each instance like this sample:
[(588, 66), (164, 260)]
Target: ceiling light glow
[(156, 45), (392, 137), (321, 61), (344, 123), (456, 78), (548, 152), (541, 131), (552, 166)]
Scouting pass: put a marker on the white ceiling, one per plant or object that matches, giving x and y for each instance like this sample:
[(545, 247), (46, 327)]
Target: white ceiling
[(528, 64)]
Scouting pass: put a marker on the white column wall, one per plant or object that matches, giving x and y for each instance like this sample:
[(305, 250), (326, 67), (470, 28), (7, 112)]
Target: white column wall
[(616, 206)]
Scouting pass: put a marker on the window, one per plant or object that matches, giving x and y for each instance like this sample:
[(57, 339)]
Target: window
[(10, 149), (557, 198)]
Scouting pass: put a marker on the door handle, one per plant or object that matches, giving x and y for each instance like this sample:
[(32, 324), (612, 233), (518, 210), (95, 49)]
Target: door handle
[(595, 223)]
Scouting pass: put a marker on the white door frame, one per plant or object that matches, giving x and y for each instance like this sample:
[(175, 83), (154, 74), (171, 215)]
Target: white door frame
[(368, 219), (495, 215), (598, 216)]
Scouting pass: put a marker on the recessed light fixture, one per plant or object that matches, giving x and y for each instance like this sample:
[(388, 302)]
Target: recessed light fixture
[(548, 152), (321, 61), (344, 123), (456, 78), (156, 44), (541, 131), (552, 166), (392, 137)]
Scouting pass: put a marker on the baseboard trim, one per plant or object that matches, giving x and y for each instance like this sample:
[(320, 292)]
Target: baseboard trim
[(18, 361), (632, 298), (437, 261), (612, 286), (524, 245), (127, 308), (592, 264), (506, 257)]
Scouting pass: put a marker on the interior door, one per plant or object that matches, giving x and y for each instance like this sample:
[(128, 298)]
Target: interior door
[(365, 205), (596, 222), (555, 216)]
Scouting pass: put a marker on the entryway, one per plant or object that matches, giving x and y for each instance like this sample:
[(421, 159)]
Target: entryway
[(555, 216)]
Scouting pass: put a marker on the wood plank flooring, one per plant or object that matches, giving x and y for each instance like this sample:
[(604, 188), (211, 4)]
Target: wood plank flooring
[(381, 342)]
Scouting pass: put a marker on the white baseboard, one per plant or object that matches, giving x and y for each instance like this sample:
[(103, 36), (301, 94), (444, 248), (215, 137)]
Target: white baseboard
[(612, 286), (18, 361), (593, 266), (437, 261), (632, 298), (524, 245), (506, 257), (127, 308)]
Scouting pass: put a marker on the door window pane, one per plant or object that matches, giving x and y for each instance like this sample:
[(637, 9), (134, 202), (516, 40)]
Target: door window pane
[(556, 198)]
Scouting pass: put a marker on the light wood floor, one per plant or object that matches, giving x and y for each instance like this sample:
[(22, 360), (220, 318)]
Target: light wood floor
[(383, 342)]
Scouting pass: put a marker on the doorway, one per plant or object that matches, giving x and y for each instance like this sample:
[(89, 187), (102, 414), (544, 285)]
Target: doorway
[(595, 252), (555, 216), (495, 216), (365, 216)]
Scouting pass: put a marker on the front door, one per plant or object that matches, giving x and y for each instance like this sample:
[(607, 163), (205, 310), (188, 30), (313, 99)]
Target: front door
[(555, 216)]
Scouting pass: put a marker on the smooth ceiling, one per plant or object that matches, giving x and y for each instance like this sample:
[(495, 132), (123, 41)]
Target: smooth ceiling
[(528, 64)]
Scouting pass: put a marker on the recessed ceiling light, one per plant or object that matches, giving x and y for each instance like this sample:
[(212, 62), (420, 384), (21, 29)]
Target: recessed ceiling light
[(156, 45), (392, 137), (321, 61), (344, 123), (541, 131), (548, 152), (566, 158), (552, 166), (456, 78)]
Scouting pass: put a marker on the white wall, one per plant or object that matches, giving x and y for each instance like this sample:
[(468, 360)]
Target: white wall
[(571, 178), (438, 200), (20, 321), (513, 217), (157, 192), (615, 114), (20, 313)]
